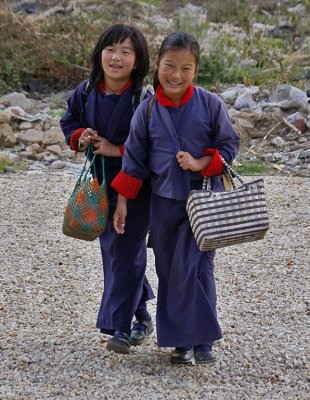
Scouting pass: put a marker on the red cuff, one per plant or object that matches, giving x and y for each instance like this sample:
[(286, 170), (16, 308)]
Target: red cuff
[(74, 139), (121, 149), (216, 165), (126, 185)]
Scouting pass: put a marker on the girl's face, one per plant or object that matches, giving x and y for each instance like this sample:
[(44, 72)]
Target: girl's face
[(118, 61), (176, 71)]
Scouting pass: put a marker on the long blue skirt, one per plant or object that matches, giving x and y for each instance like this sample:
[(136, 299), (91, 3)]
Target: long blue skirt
[(124, 259), (186, 298)]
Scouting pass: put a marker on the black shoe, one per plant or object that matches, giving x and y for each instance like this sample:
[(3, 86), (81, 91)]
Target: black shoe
[(182, 356), (119, 343), (140, 331), (204, 357)]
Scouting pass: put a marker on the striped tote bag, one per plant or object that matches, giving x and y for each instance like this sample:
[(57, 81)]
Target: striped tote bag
[(228, 218)]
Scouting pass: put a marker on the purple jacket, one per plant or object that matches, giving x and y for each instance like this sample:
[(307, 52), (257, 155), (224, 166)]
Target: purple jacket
[(201, 123)]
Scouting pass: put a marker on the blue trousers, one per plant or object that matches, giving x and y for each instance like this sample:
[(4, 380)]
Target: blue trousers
[(186, 298), (126, 289)]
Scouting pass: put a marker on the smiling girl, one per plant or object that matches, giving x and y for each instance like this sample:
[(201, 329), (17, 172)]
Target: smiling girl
[(188, 131), (120, 62)]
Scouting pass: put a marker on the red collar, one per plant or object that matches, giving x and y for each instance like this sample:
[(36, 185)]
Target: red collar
[(128, 84), (166, 102)]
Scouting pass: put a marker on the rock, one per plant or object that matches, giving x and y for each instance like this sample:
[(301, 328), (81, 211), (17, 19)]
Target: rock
[(243, 127), (293, 117), (5, 117), (58, 164), (233, 113), (286, 92), (161, 23), (30, 136), (192, 16), (7, 137), (245, 100), (35, 148), (53, 136), (278, 141), (39, 156), (17, 99), (54, 148), (25, 125), (304, 146), (299, 9), (230, 95)]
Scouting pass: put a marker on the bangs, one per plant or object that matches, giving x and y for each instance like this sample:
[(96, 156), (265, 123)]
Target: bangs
[(118, 35)]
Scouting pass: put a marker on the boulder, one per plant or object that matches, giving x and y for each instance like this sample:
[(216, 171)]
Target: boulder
[(53, 136), (5, 117), (7, 137), (30, 136), (17, 99)]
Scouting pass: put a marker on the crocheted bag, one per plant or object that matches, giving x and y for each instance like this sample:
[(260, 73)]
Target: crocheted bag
[(87, 210)]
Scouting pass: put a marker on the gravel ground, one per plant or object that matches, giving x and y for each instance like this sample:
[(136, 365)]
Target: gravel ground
[(51, 288)]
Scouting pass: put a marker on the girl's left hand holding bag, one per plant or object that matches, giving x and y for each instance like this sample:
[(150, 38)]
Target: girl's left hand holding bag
[(102, 146), (88, 136)]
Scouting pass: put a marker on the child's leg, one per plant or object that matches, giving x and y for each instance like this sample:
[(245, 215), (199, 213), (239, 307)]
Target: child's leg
[(203, 354), (186, 302), (142, 327), (126, 288)]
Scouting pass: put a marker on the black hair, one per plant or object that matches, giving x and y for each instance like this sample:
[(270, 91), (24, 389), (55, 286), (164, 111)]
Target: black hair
[(178, 41), (119, 33)]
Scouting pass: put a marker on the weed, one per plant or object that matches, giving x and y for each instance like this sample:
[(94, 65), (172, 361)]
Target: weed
[(6, 162), (251, 169), (58, 112)]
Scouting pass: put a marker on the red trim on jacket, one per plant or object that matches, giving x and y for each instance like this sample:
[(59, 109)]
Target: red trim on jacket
[(128, 84), (74, 139), (166, 102), (126, 185), (121, 149), (216, 165)]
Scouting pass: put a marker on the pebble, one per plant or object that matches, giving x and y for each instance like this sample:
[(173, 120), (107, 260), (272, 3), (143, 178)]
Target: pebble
[(51, 288)]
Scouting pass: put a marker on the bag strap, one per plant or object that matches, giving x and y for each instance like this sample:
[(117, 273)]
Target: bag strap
[(140, 95), (232, 173), (149, 108), (88, 88), (85, 170), (206, 184)]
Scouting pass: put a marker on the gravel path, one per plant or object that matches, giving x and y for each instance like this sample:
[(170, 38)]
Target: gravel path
[(51, 288)]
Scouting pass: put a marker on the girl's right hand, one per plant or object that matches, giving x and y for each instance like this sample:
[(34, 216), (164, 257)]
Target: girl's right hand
[(119, 217), (88, 136)]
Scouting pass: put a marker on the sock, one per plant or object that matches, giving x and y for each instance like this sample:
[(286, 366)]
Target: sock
[(185, 348), (142, 314), (119, 332)]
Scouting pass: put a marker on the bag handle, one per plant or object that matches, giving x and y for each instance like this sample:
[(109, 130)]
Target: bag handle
[(85, 171), (206, 185)]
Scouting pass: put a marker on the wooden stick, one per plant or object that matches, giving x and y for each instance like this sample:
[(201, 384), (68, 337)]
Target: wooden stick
[(291, 126)]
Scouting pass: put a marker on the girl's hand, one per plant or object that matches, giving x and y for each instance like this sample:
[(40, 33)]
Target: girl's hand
[(119, 216), (88, 136), (106, 148), (188, 162)]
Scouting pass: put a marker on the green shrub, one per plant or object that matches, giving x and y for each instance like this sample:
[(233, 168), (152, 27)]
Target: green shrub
[(251, 169), (6, 162)]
